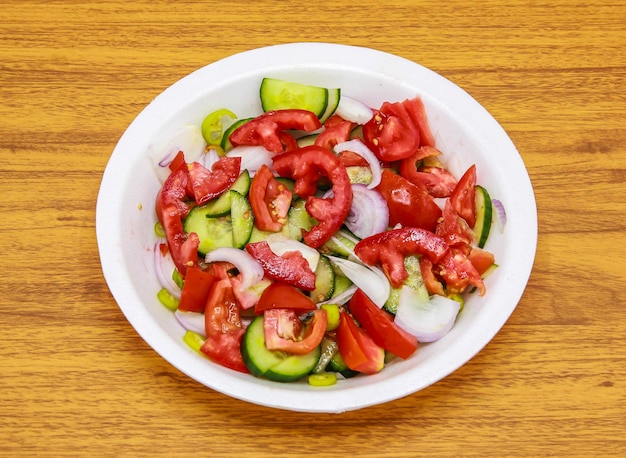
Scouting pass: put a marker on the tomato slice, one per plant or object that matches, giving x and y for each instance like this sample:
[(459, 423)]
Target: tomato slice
[(481, 259), (408, 204), (333, 134), (389, 249), (280, 295), (358, 350), (454, 229), (285, 332), (458, 272), (463, 197), (380, 326), (174, 191), (223, 327), (417, 112), (208, 184), (265, 129), (290, 268), (433, 285), (196, 289), (435, 180), (389, 136), (307, 165), (183, 248), (269, 199)]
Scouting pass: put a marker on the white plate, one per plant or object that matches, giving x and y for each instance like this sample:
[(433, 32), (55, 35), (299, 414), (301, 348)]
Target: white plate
[(463, 130)]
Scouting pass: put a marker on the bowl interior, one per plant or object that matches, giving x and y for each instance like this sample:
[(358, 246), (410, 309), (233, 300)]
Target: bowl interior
[(463, 130)]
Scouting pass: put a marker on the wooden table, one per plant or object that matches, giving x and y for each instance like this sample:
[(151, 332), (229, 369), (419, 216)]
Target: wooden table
[(76, 379)]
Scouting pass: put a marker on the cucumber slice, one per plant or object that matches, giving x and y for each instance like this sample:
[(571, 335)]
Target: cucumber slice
[(341, 244), (342, 283), (307, 140), (242, 219), (334, 95), (337, 364), (258, 235), (324, 281), (414, 280), (213, 232), (220, 206), (484, 216), (279, 95), (226, 145), (274, 365), (298, 219)]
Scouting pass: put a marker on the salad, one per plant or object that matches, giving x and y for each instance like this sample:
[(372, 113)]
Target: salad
[(320, 239)]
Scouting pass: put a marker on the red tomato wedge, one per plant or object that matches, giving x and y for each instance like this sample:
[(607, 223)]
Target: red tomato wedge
[(208, 184), (269, 199), (380, 326), (463, 197), (285, 332), (408, 204), (290, 268), (223, 328), (195, 292), (265, 130), (280, 295), (358, 350), (307, 165)]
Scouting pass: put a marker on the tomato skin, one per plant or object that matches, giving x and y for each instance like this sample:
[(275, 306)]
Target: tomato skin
[(269, 199), (408, 205), (307, 165), (295, 340), (196, 290), (290, 268), (389, 249), (223, 328), (435, 180), (265, 129), (174, 191), (380, 326), (463, 196), (357, 349), (284, 296)]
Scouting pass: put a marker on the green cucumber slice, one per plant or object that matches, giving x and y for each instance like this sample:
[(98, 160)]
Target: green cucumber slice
[(324, 281), (332, 102), (278, 94), (298, 219), (242, 219), (213, 232), (484, 216), (414, 280), (226, 145), (274, 365)]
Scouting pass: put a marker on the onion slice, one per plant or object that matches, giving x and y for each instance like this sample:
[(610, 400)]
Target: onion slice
[(249, 268), (358, 147), (342, 297), (252, 157), (501, 213), (369, 213), (353, 110), (191, 321), (371, 280), (164, 267), (280, 244), (428, 320)]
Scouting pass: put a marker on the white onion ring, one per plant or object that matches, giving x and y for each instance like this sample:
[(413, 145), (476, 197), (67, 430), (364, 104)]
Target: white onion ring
[(252, 157), (249, 268), (353, 110), (428, 320), (369, 213), (191, 321), (371, 280), (501, 213), (164, 266)]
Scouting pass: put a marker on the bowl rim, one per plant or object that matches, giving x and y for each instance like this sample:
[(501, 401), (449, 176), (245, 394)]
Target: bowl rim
[(362, 393)]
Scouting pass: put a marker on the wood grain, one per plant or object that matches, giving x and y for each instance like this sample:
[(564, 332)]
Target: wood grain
[(76, 379)]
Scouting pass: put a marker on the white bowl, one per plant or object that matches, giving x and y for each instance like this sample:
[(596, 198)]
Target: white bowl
[(463, 130)]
